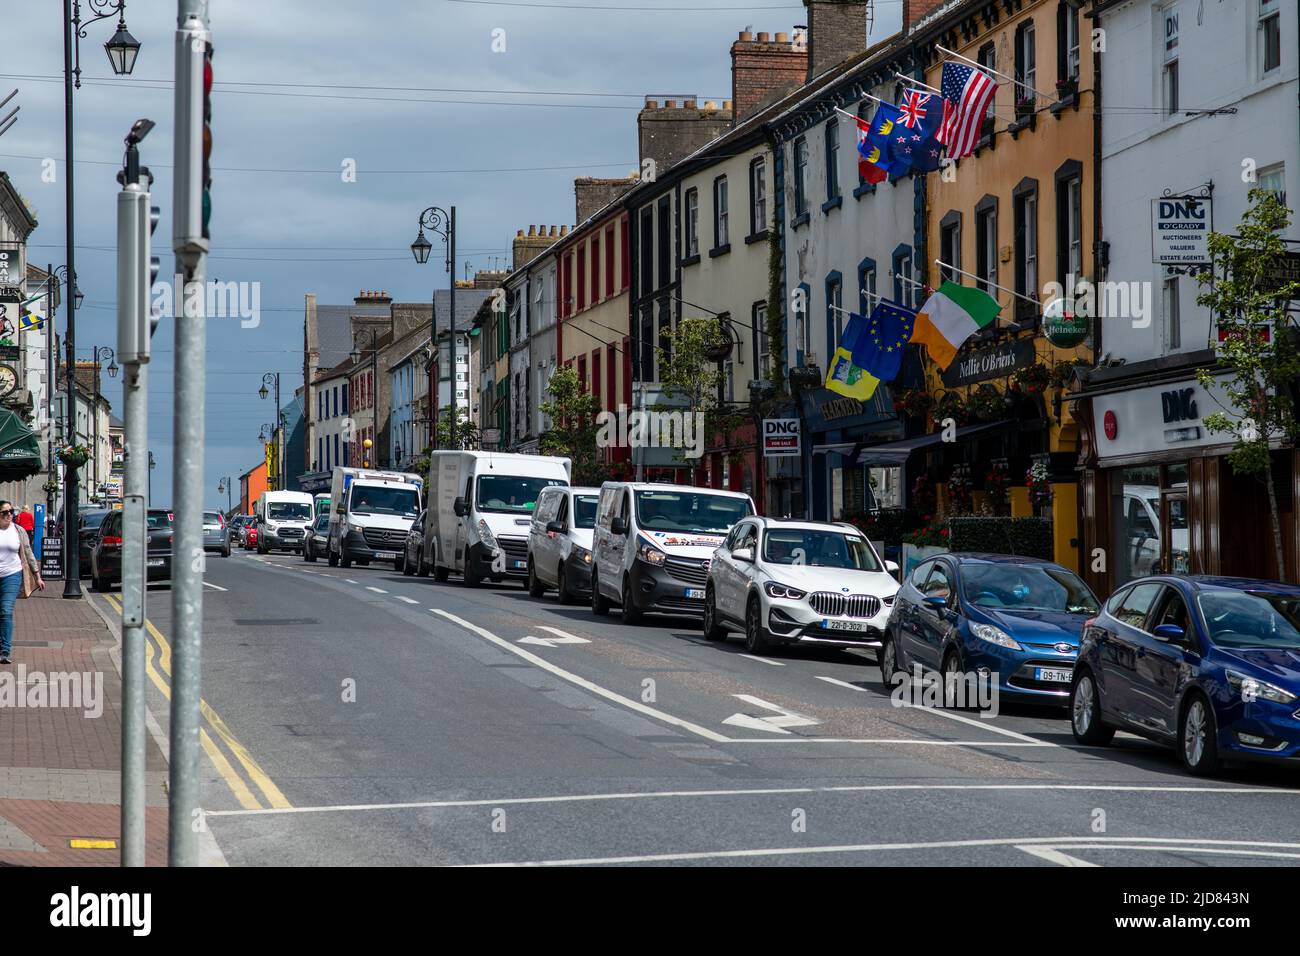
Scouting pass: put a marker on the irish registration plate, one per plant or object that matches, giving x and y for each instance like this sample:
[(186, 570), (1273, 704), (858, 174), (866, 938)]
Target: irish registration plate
[(1053, 675), (157, 562), (386, 555), (520, 565), (695, 594), (833, 625)]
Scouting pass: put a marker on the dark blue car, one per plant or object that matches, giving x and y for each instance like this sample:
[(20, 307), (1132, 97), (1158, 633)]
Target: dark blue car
[(1012, 620), (1208, 665)]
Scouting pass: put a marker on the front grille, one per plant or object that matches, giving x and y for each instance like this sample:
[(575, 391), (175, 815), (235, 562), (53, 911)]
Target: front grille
[(515, 548), (844, 605), (690, 570), (384, 537), (290, 532)]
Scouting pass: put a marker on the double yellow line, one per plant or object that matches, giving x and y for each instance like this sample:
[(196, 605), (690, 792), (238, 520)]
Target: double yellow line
[(258, 777)]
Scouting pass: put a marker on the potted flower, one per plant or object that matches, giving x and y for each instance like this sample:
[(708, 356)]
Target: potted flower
[(1024, 108), (997, 485), (1039, 482), (1067, 88), (74, 456), (959, 491), (950, 405), (987, 404), (1063, 371), (50, 487), (913, 402), (1033, 378)]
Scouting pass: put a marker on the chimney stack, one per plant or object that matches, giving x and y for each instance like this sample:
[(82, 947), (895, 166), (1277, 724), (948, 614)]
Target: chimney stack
[(526, 248), (764, 70), (837, 30), (670, 133)]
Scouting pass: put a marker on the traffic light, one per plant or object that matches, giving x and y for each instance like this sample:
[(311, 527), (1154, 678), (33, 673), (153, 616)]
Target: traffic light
[(192, 206)]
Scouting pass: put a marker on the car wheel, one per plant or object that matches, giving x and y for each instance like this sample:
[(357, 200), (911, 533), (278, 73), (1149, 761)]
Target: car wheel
[(756, 639), (225, 553), (1085, 713), (951, 674), (713, 630), (1198, 743), (408, 568), (562, 585), (631, 613), (535, 587), (889, 666), (440, 574), (599, 603)]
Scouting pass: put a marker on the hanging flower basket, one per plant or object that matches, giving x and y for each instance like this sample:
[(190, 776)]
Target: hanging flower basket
[(959, 492), (1038, 480), (50, 487), (997, 485), (74, 456), (987, 404), (913, 402), (950, 405), (1033, 378)]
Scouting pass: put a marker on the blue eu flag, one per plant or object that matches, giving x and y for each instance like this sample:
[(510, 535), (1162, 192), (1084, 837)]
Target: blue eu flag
[(878, 350)]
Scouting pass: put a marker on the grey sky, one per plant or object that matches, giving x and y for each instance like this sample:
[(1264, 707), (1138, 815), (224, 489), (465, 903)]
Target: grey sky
[(301, 231)]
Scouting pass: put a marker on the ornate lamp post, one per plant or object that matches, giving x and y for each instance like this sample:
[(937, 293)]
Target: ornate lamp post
[(277, 434), (441, 223)]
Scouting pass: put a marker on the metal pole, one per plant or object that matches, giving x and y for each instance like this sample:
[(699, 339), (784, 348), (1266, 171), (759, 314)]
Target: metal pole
[(71, 578), (184, 817), (374, 396), (50, 389), (454, 420)]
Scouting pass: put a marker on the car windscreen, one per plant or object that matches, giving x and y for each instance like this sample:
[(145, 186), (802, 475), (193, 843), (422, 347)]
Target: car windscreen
[(211, 517), (93, 520), (383, 500), (1016, 587), (1251, 618), (509, 494), (160, 519), (819, 549), (689, 511), (584, 510), (287, 511)]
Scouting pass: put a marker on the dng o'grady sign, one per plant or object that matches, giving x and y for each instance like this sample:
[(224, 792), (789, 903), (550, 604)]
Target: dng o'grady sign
[(1180, 230)]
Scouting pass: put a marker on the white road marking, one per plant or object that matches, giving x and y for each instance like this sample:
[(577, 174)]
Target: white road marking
[(762, 660), (568, 638), (215, 587), (1053, 855), (552, 641), (778, 723), (1159, 843), (350, 581), (376, 590), (916, 741), (582, 682), (775, 791), (840, 683), (982, 724), (407, 600)]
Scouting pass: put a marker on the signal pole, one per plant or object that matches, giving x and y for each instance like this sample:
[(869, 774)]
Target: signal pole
[(191, 210)]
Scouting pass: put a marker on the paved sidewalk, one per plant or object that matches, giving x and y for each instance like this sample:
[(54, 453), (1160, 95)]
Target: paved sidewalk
[(59, 765)]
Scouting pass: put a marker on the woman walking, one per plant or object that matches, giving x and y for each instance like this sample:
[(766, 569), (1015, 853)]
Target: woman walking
[(15, 553)]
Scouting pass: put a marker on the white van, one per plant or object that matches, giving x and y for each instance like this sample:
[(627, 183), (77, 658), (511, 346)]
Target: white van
[(282, 520), (480, 508), (653, 545), (371, 513), (559, 542)]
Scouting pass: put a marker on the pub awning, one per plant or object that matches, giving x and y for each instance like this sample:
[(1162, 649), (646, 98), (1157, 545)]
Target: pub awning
[(897, 452), (20, 453)]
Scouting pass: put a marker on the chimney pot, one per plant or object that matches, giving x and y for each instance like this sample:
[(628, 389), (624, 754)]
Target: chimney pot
[(783, 38), (670, 104), (652, 104), (690, 104), (726, 104), (764, 36), (746, 36)]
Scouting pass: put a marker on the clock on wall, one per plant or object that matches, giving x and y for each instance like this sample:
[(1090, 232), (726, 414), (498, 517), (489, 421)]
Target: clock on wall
[(8, 380)]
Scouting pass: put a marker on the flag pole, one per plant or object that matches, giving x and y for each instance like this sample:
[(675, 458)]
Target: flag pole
[(993, 285), (989, 69), (926, 86)]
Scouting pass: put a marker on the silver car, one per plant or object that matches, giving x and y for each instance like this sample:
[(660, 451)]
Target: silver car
[(216, 533)]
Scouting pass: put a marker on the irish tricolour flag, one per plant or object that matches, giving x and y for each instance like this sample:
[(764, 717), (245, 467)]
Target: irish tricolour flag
[(949, 317)]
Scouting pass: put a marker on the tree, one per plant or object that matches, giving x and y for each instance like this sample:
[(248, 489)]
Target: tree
[(458, 432), (1259, 346), (685, 367), (572, 411)]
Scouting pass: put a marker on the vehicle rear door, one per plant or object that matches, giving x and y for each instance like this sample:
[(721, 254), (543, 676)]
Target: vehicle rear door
[(1160, 662), (1123, 641)]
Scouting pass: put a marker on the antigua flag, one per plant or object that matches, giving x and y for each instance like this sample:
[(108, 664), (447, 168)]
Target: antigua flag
[(885, 136), (872, 158)]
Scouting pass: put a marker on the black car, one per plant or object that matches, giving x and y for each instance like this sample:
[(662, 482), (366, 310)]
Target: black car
[(315, 542), (106, 558), (88, 522), (410, 560)]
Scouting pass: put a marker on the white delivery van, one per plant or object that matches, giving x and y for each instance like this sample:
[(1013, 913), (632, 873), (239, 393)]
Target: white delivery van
[(653, 545), (479, 511), (282, 520), (371, 513), (559, 542)]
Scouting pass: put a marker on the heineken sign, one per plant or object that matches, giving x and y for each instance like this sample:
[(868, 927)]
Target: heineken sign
[(1062, 325), (997, 361)]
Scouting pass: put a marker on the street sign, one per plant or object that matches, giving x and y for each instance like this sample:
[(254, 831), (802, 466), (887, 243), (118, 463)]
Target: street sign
[(1180, 230), (52, 559), (781, 438)]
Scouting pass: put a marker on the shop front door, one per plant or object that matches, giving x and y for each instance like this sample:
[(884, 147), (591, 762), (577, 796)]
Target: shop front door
[(1175, 556)]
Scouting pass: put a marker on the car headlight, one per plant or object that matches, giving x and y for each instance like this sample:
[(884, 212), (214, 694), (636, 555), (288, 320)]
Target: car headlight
[(581, 554), (1250, 688), (648, 553), (889, 601), (485, 535), (776, 590), (994, 635)]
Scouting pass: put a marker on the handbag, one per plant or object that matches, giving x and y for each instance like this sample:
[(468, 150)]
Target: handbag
[(29, 579)]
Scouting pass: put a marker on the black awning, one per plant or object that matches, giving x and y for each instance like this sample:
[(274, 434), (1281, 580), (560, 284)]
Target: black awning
[(20, 454), (897, 452)]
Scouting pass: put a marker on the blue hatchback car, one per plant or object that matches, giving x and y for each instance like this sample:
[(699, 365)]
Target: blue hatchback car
[(1209, 665), (1012, 619)]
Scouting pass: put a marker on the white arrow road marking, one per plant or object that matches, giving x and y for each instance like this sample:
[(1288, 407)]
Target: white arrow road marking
[(553, 641), (1054, 856), (569, 638), (776, 724)]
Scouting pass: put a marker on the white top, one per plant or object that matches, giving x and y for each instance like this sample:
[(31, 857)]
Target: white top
[(11, 551)]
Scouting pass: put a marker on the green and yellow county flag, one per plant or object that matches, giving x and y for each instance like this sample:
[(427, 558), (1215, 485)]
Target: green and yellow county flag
[(29, 319), (843, 375)]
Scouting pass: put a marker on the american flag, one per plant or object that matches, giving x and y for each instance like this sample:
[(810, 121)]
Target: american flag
[(967, 93)]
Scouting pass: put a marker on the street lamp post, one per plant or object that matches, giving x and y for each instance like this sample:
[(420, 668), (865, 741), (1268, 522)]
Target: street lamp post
[(441, 223), (277, 434), (374, 384), (122, 51), (225, 485), (152, 463)]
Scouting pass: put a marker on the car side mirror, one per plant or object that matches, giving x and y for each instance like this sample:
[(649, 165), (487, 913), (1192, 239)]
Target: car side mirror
[(936, 602), (461, 507), (891, 567), (555, 527), (1170, 633), (744, 554), (618, 526)]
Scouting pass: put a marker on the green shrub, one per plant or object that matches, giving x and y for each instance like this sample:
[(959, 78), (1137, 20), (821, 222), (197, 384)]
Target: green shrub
[(1031, 537)]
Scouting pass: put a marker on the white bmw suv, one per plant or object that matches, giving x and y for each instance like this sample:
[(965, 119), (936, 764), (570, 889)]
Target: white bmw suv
[(798, 582)]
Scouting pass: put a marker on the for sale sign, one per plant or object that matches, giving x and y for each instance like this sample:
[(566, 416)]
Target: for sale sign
[(781, 437)]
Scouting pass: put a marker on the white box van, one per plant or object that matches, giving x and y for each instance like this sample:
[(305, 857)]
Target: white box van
[(653, 545), (559, 542), (282, 520), (370, 514), (480, 507)]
